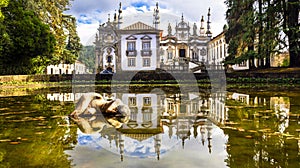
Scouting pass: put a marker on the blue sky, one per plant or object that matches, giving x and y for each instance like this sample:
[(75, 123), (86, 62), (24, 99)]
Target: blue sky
[(140, 4), (90, 13)]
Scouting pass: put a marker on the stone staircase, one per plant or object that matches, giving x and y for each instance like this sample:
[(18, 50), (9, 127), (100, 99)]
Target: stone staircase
[(197, 66)]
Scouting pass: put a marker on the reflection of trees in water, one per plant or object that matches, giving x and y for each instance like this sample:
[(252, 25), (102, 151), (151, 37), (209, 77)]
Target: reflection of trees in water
[(36, 128), (259, 135), (246, 149)]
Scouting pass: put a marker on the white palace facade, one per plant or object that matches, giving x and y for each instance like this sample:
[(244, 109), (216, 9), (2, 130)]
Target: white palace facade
[(143, 47)]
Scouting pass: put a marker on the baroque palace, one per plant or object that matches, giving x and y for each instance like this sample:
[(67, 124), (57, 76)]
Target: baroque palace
[(143, 47)]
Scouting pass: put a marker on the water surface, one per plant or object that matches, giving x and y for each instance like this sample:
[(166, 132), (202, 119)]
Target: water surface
[(168, 128)]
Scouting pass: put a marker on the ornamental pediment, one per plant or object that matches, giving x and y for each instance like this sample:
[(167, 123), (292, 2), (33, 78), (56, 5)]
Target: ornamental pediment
[(131, 37), (146, 37), (139, 26)]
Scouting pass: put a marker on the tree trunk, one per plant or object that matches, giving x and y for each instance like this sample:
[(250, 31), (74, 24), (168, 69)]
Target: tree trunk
[(268, 54), (294, 53), (292, 32), (251, 59), (268, 62), (260, 35)]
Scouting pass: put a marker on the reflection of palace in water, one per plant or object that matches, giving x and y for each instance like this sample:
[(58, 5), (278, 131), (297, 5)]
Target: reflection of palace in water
[(65, 97), (184, 115), (157, 116), (181, 113)]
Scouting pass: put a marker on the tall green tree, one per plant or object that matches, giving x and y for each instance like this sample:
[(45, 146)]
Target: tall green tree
[(260, 31), (73, 47), (268, 30), (28, 39), (272, 40), (241, 31), (63, 27), (290, 12), (256, 28), (233, 32)]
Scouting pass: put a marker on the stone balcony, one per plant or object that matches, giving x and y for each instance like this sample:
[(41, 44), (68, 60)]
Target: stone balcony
[(146, 52), (131, 52)]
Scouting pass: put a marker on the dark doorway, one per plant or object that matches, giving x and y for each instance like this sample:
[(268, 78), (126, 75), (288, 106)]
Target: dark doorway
[(181, 52), (109, 59), (109, 69)]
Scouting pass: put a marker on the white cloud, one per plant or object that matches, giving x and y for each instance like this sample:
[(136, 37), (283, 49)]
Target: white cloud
[(87, 33), (90, 13), (88, 6)]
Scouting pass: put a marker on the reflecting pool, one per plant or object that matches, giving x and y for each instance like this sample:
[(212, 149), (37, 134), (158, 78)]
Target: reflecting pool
[(168, 127)]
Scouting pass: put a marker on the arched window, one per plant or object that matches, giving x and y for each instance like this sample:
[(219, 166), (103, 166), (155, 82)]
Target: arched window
[(109, 58)]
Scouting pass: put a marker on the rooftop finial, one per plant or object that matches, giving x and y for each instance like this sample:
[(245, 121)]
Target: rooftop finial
[(115, 16), (202, 31), (169, 30), (208, 32), (119, 16), (120, 9), (155, 16)]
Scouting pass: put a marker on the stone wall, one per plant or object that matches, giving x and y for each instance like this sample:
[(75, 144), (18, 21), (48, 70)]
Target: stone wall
[(150, 76), (24, 78), (124, 76)]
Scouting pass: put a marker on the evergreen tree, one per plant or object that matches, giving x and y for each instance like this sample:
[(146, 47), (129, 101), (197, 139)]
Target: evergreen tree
[(62, 26), (256, 28), (233, 32), (268, 29), (73, 47), (271, 32), (241, 31), (87, 56), (290, 12)]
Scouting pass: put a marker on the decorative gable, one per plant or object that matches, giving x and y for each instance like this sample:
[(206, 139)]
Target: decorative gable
[(131, 37), (139, 26), (146, 37)]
